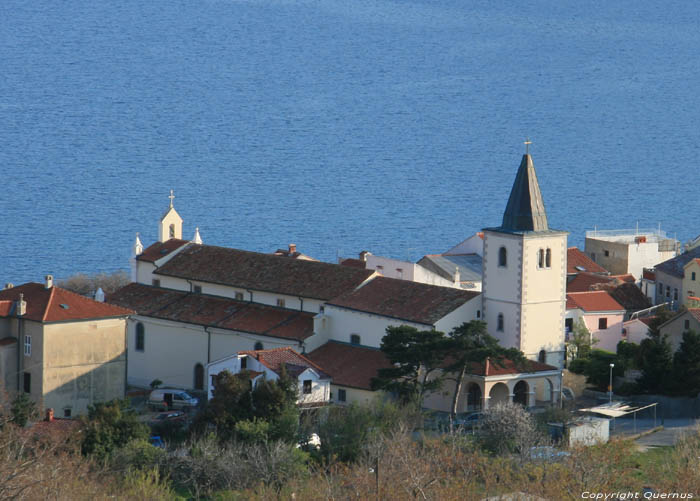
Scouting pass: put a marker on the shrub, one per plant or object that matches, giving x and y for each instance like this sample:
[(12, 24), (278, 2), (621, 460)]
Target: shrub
[(108, 427), (506, 428), (138, 455), (579, 366)]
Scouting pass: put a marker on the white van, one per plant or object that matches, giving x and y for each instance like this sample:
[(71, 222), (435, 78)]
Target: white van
[(170, 398)]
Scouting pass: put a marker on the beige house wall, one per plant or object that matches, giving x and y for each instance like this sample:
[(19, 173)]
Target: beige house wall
[(355, 395), (607, 338), (675, 328), (690, 287), (673, 283), (84, 363)]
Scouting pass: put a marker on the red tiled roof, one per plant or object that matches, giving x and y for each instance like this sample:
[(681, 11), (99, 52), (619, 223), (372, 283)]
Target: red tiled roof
[(627, 278), (505, 367), (273, 359), (627, 294), (646, 320), (350, 365), (354, 263), (215, 311), (5, 307), (59, 305), (6, 341), (160, 249), (574, 258), (405, 300), (263, 272), (584, 281), (592, 301)]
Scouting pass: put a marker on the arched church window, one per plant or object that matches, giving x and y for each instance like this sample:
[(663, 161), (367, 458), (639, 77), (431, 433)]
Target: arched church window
[(542, 358), (502, 257), (172, 231), (548, 260), (198, 376), (499, 326), (540, 258), (140, 337), (258, 346)]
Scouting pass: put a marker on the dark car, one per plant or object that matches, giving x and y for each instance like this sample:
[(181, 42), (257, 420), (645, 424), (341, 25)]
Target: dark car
[(170, 417)]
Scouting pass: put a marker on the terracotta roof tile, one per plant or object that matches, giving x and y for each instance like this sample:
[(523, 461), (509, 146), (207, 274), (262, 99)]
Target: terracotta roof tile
[(59, 305), (160, 249), (592, 301), (627, 294), (575, 258), (505, 367), (405, 300), (354, 263), (350, 365), (584, 281), (6, 307), (674, 266), (215, 311), (274, 359), (648, 274), (646, 320), (263, 272)]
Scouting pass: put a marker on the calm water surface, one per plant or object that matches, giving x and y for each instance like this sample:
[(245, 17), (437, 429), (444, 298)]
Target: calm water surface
[(392, 126)]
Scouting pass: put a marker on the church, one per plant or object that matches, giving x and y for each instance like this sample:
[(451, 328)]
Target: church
[(196, 304)]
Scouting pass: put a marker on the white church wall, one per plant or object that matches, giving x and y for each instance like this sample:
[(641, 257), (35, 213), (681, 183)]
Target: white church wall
[(465, 313)]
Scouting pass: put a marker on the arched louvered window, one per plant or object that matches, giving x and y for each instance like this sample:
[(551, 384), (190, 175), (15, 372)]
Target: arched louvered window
[(502, 257)]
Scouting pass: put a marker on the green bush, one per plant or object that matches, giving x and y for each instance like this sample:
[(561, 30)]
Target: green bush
[(579, 366), (138, 455), (109, 426)]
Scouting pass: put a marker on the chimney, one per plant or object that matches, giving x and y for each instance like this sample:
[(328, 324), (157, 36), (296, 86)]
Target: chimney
[(49, 281), (487, 366), (21, 305), (364, 254), (292, 248), (49, 415), (458, 276), (9, 285), (100, 295)]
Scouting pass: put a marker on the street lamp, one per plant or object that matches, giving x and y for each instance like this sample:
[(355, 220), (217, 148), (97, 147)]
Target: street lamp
[(610, 387)]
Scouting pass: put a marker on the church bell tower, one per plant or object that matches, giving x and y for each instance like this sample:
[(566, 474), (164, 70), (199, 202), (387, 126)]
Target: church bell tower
[(524, 281), (170, 224)]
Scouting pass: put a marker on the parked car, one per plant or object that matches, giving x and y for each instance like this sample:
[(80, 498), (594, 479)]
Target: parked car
[(470, 422), (170, 398)]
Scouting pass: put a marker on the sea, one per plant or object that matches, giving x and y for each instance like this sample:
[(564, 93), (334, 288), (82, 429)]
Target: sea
[(393, 126)]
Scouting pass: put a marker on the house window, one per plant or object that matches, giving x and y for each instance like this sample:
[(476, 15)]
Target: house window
[(197, 289), (399, 273), (198, 377), (675, 294), (502, 257), (500, 322), (307, 386), (478, 313), (686, 324), (602, 323), (593, 256), (244, 363), (548, 259), (155, 282), (258, 346), (568, 325), (27, 382), (66, 413), (692, 276), (140, 337), (540, 258), (607, 253), (27, 345), (172, 231), (668, 291), (660, 290), (542, 357), (239, 296), (341, 396), (354, 339), (280, 302)]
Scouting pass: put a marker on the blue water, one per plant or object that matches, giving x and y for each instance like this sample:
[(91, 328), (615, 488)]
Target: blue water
[(392, 126)]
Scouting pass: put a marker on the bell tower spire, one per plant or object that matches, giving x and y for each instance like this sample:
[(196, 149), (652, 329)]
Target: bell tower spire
[(525, 210), (170, 224)]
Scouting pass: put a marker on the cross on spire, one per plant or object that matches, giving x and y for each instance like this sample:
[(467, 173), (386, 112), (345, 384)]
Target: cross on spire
[(171, 197), (527, 144)]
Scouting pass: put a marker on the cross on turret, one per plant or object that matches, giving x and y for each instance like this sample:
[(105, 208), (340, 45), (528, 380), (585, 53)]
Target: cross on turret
[(171, 197)]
